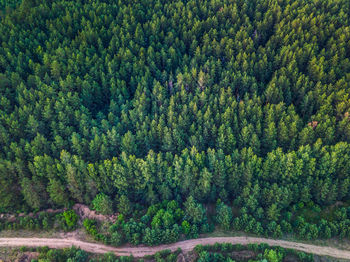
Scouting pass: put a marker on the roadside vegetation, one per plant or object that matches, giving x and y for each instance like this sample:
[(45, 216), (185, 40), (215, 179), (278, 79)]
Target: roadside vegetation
[(215, 253), (64, 221), (169, 222)]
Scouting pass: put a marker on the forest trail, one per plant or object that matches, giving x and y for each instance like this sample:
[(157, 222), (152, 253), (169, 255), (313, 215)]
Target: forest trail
[(186, 245)]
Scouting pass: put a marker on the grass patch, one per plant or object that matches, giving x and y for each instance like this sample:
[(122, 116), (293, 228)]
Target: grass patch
[(29, 233)]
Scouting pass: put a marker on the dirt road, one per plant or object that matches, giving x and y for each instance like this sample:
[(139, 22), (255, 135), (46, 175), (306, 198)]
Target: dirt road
[(186, 246)]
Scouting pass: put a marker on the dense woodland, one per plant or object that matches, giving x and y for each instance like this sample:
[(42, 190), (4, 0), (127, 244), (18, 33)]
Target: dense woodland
[(244, 105)]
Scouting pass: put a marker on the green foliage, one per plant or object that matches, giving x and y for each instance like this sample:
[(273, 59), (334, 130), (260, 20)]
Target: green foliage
[(224, 216), (71, 219), (124, 205), (117, 238), (162, 223), (194, 211), (66, 254), (57, 192), (186, 227), (39, 221), (102, 203), (9, 4), (261, 253), (152, 101), (90, 226), (273, 256), (74, 254), (31, 193)]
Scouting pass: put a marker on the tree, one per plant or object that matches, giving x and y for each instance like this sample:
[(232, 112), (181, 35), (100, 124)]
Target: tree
[(194, 211), (273, 213), (90, 226), (31, 193), (124, 205), (117, 238), (134, 101), (55, 70), (129, 144), (102, 203), (270, 140), (224, 216), (272, 255), (71, 219), (57, 192), (9, 194)]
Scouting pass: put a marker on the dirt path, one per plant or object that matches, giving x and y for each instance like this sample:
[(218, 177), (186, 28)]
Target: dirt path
[(186, 246)]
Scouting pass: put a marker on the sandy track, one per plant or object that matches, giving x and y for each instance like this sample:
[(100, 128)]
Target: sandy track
[(186, 245)]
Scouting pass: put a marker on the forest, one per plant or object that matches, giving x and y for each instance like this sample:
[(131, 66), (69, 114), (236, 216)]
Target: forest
[(169, 111)]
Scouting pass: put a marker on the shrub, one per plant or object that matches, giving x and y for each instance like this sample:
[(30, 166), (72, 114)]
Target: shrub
[(71, 219), (186, 227), (117, 239), (103, 204), (273, 256), (90, 226)]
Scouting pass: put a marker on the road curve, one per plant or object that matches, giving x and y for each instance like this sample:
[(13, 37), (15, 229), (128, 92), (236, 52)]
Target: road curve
[(187, 245)]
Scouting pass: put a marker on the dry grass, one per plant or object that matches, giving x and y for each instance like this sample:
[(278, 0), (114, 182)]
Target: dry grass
[(8, 253), (29, 233)]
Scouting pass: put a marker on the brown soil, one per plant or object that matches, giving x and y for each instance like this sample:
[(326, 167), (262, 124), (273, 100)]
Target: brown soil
[(84, 212), (243, 255), (186, 246)]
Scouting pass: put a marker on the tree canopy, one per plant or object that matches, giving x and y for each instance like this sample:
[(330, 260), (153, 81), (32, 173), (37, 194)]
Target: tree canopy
[(111, 103)]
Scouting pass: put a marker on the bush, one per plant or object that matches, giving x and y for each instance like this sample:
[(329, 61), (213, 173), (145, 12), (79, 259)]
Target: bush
[(109, 257), (117, 239), (186, 227), (273, 256), (71, 219), (90, 226), (103, 204)]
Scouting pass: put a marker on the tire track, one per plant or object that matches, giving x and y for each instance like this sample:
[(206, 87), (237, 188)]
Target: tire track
[(186, 246)]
